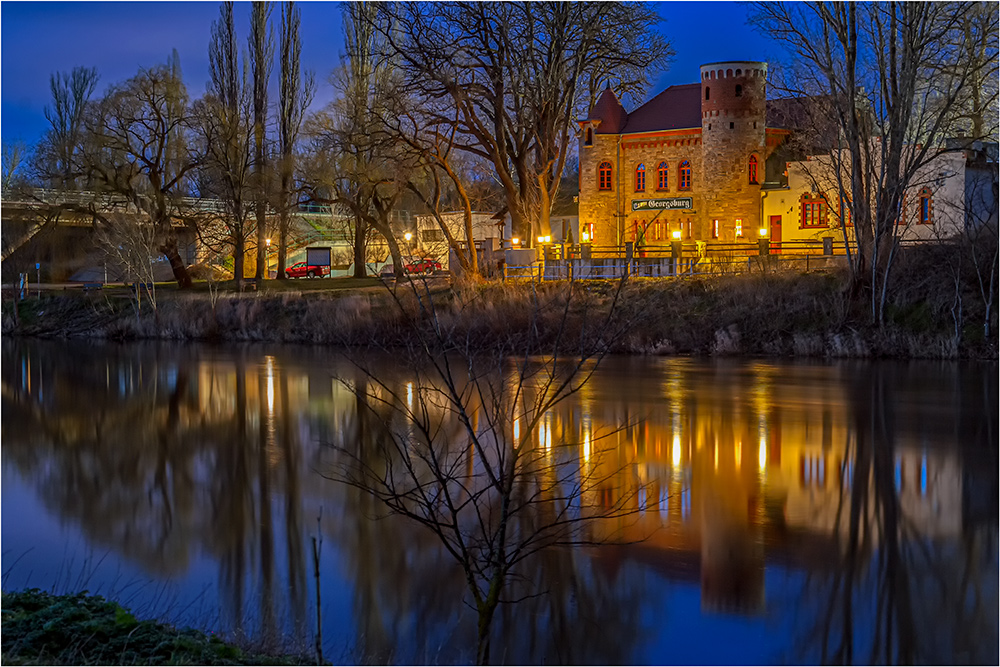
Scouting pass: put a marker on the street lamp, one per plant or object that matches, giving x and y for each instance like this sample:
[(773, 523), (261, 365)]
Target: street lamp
[(762, 231), (676, 234), (408, 236), (515, 241), (267, 257)]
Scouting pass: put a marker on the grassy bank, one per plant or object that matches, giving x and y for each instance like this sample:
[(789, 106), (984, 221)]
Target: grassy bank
[(774, 314), (45, 629)]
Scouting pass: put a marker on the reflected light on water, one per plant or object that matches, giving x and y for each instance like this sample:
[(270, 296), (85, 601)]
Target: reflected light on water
[(270, 384), (739, 454), (409, 396), (676, 453), (762, 454), (586, 440)]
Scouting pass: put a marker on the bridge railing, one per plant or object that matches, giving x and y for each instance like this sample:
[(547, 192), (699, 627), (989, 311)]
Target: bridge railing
[(38, 197)]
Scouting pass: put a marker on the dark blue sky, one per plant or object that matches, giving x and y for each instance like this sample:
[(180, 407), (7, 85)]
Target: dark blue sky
[(38, 38)]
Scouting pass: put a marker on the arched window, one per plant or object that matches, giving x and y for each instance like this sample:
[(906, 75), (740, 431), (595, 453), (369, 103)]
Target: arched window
[(813, 211), (752, 170), (925, 207), (684, 175), (661, 182), (707, 89), (604, 176), (640, 178)]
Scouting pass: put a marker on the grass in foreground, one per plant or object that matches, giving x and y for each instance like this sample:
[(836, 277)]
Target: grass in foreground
[(44, 629)]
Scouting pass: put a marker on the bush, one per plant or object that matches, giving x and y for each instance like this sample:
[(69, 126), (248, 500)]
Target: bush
[(44, 629)]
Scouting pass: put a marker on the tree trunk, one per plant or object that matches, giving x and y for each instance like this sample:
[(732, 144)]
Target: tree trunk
[(282, 242), (169, 249), (486, 611), (239, 258), (360, 232)]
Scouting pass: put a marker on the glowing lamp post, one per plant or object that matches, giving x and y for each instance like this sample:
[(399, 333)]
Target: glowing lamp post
[(267, 256)]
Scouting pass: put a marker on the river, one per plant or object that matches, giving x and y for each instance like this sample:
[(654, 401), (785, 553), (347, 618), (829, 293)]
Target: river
[(777, 511)]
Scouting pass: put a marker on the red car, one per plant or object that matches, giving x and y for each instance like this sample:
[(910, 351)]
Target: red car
[(303, 270), (426, 265)]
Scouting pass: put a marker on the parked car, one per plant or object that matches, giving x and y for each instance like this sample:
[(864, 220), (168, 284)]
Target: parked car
[(425, 265), (303, 270)]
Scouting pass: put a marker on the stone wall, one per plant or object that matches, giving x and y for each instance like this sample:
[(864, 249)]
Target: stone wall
[(734, 96)]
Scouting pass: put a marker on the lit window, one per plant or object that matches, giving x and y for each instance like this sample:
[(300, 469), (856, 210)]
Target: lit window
[(684, 175), (640, 178), (715, 229), (739, 227), (604, 176), (753, 169), (925, 207), (661, 183), (813, 211), (845, 212)]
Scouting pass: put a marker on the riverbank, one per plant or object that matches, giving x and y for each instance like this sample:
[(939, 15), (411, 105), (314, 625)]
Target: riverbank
[(44, 629), (771, 314)]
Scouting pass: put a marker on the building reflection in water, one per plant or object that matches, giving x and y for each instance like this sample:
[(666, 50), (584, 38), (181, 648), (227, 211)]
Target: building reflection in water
[(176, 457)]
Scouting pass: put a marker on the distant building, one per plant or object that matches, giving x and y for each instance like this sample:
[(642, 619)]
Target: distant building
[(713, 161)]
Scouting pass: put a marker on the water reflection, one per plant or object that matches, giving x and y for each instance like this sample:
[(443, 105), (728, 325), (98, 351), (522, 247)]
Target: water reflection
[(852, 508)]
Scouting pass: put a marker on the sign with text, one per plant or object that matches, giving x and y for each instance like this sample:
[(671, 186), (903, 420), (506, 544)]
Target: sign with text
[(669, 204)]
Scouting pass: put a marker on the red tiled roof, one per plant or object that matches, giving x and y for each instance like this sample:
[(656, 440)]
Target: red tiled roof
[(610, 112), (675, 108)]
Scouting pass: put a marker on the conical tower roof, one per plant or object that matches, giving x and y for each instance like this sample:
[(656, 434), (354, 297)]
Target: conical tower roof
[(610, 112)]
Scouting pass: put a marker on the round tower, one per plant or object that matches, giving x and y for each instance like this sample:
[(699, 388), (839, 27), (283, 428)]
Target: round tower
[(733, 106)]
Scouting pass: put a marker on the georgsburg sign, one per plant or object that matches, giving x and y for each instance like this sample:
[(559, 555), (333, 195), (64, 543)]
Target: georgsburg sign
[(669, 204)]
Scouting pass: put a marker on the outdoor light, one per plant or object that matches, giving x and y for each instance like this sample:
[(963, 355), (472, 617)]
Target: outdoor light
[(548, 239), (676, 234), (515, 241), (763, 231), (586, 236), (267, 242), (408, 236), (541, 239)]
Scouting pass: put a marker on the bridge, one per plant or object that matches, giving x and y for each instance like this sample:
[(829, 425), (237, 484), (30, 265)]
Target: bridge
[(25, 213)]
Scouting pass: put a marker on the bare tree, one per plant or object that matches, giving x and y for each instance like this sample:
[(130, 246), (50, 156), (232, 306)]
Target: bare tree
[(295, 95), (897, 80), (466, 451), (14, 159), (56, 158), (515, 76), (135, 145), (354, 163), (261, 41), (132, 245), (224, 130)]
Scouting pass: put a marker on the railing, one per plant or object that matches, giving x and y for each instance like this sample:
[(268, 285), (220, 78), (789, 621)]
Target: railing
[(679, 260), (38, 197)]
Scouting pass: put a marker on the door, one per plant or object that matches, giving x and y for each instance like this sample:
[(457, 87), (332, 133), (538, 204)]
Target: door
[(775, 234)]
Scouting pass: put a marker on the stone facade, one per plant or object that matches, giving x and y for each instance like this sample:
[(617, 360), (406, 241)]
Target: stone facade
[(734, 97), (716, 138)]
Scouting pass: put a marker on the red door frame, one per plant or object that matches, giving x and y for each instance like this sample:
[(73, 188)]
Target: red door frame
[(775, 221)]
